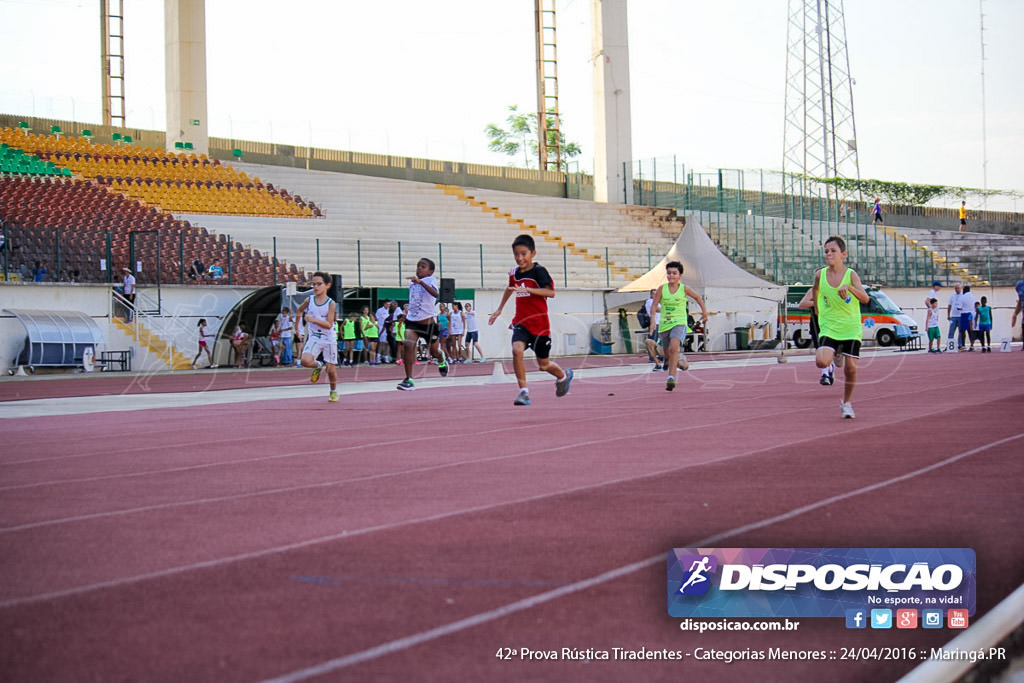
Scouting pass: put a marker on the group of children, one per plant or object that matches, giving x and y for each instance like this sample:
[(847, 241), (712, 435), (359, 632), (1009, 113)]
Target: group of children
[(976, 326), (835, 300), (528, 281)]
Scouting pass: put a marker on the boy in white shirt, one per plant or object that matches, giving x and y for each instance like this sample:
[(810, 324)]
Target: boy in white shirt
[(932, 325)]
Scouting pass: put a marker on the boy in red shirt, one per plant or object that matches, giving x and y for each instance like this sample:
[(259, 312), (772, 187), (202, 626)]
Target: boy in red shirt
[(532, 286)]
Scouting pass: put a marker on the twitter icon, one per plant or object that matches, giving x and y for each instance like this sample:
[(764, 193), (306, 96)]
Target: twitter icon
[(881, 618)]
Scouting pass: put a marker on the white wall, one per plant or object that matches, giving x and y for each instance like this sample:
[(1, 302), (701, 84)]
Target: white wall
[(572, 313), (182, 306)]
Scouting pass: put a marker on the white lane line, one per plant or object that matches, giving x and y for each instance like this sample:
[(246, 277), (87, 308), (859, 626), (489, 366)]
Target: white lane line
[(41, 597), (381, 475), (533, 601), (211, 445), (79, 405)]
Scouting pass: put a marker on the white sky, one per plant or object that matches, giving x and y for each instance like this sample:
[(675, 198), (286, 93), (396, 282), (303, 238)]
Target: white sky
[(415, 78)]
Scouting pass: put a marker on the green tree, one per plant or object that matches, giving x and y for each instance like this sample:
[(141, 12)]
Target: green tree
[(520, 136)]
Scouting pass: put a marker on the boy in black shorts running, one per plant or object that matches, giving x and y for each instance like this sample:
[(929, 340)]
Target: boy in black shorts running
[(532, 285)]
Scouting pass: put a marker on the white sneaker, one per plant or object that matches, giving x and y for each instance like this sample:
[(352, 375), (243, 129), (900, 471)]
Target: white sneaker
[(847, 410)]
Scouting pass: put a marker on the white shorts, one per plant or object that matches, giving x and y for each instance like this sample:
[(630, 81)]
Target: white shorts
[(322, 345)]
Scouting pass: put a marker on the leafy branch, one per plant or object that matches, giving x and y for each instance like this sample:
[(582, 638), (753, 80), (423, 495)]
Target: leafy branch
[(521, 136)]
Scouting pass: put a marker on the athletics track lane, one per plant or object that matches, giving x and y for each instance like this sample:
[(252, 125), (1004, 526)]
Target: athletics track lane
[(283, 612)]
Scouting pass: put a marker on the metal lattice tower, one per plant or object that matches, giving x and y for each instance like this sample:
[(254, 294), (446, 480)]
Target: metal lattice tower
[(549, 133), (820, 138), (112, 58)]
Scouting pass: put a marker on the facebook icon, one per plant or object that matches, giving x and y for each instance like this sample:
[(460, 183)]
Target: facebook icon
[(856, 618)]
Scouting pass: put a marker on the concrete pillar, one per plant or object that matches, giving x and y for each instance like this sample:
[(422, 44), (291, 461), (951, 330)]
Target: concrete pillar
[(185, 26), (613, 147)]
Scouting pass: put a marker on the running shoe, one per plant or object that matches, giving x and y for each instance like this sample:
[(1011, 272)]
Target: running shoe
[(827, 379), (406, 385), (562, 385), (333, 398), (316, 373), (657, 367), (670, 384), (443, 369), (522, 399), (846, 410)]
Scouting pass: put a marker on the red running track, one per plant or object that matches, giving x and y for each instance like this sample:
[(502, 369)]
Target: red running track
[(411, 535)]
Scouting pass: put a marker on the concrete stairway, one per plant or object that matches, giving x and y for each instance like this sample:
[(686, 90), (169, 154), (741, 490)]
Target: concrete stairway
[(153, 344)]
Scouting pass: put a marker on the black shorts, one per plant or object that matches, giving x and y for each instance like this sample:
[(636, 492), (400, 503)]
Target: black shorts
[(540, 343), (847, 347), (963, 221), (425, 329)]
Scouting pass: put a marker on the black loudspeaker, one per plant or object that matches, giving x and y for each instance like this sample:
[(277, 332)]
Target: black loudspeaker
[(447, 290), (334, 291)]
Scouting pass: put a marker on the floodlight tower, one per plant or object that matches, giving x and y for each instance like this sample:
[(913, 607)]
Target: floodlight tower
[(549, 133), (112, 61), (820, 138)]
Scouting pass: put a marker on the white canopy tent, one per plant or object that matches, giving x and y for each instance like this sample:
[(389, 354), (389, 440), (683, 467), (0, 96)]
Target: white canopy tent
[(734, 297)]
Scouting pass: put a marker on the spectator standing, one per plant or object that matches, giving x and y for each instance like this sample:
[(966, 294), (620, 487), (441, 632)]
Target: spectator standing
[(473, 334), (953, 311), (985, 325), (932, 325), (348, 338), (384, 330), (1019, 308), (39, 272), (285, 327), (967, 302), (370, 336), (877, 211), (933, 294), (128, 290), (457, 327), (393, 312), (443, 329), (963, 215)]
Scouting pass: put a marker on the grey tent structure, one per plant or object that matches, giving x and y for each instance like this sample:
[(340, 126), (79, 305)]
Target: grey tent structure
[(734, 297)]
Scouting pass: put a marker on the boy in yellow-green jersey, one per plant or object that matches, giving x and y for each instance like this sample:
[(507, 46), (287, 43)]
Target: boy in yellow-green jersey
[(838, 294), (671, 297)]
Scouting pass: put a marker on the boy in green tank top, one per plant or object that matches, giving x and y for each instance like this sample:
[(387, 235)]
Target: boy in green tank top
[(672, 323), (838, 294)]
